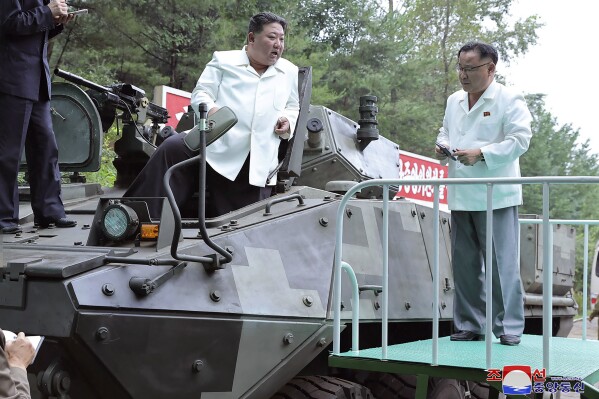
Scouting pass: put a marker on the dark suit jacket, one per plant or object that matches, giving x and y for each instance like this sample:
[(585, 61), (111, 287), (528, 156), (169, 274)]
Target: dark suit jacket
[(13, 381), (25, 27)]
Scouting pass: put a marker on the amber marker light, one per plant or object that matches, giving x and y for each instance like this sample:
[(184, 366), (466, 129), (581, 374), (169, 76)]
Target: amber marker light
[(149, 231)]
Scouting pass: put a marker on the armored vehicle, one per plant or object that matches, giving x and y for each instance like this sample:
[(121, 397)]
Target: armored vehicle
[(239, 306)]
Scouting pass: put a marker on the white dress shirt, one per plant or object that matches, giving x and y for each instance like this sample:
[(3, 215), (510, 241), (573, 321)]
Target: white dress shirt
[(498, 124), (258, 101)]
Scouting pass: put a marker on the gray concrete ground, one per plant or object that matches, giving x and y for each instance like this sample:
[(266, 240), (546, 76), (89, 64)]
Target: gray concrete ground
[(577, 329)]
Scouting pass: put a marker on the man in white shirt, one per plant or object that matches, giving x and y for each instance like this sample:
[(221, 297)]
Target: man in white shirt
[(487, 128), (262, 89)]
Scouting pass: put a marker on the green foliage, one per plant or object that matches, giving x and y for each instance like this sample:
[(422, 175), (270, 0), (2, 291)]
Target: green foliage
[(107, 173)]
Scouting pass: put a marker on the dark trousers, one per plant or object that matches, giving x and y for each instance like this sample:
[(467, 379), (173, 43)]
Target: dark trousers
[(28, 124), (224, 195)]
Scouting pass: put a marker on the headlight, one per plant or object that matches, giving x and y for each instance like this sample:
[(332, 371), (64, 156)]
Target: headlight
[(119, 222)]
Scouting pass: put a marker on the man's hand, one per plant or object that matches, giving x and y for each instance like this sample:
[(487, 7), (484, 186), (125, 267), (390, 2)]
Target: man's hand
[(282, 126), (19, 352), (60, 10), (468, 157), (438, 153), (64, 19)]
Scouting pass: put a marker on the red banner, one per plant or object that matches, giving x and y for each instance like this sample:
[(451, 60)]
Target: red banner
[(174, 100), (413, 166)]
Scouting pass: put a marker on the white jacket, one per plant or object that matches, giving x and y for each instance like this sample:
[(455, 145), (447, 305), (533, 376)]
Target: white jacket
[(258, 101), (498, 124)]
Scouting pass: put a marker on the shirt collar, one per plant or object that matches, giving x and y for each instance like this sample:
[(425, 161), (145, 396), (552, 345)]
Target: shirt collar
[(490, 91), (271, 70), (488, 94)]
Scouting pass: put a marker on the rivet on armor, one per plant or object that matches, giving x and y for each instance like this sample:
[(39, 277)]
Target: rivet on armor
[(288, 338), (197, 366), (108, 289), (215, 295), (102, 333), (308, 301)]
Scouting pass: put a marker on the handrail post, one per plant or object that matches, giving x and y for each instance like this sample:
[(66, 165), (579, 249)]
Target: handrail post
[(489, 276), (337, 272), (436, 276), (585, 274), (355, 307), (385, 270), (547, 278)]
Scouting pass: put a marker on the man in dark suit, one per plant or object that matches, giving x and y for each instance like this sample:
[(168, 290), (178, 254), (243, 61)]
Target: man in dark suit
[(25, 27), (15, 356)]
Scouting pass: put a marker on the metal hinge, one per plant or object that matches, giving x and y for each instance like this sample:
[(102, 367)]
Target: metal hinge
[(12, 282)]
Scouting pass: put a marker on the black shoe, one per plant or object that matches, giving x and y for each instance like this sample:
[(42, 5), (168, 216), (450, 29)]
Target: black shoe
[(57, 222), (12, 229), (466, 336), (508, 339)]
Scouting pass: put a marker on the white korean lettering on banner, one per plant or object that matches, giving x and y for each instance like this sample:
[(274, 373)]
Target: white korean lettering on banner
[(412, 166)]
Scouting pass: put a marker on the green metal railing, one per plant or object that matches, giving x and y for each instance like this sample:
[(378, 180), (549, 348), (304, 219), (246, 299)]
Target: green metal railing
[(547, 231)]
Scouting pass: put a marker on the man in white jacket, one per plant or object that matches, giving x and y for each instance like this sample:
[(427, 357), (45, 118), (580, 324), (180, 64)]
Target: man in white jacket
[(262, 89), (487, 128)]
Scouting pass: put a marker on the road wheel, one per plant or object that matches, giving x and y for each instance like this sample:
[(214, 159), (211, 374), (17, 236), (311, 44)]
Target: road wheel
[(444, 388), (322, 387), (391, 386)]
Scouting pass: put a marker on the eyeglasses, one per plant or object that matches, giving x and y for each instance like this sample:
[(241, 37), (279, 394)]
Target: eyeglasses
[(460, 68)]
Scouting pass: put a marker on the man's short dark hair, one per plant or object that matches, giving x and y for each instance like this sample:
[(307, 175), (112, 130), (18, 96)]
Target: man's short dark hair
[(483, 49), (258, 21)]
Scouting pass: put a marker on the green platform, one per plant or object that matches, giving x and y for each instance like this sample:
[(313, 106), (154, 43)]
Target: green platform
[(569, 357)]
